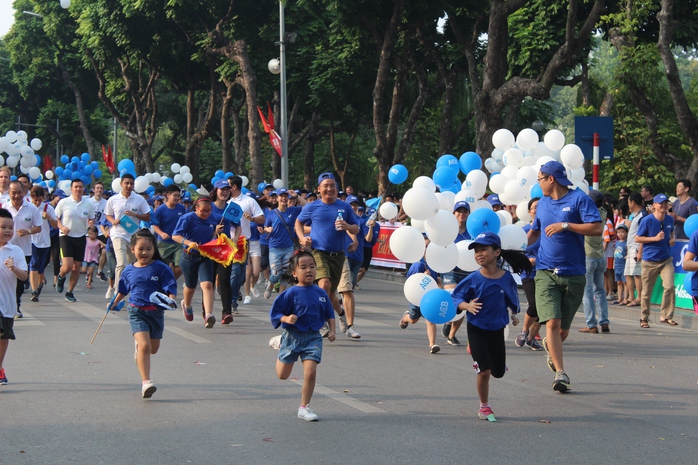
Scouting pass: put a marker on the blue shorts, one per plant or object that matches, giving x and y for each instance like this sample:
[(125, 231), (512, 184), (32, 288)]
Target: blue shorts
[(415, 312), (40, 257), (306, 344), (620, 277), (147, 321), (196, 268)]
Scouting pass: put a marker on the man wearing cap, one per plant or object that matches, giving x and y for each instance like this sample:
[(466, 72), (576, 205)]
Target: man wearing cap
[(497, 204), (657, 236), (330, 219), (594, 292), (350, 272), (564, 216), (165, 220)]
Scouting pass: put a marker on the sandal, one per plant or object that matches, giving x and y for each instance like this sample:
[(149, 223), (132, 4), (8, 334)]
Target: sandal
[(644, 323), (669, 322), (89, 285), (403, 323)]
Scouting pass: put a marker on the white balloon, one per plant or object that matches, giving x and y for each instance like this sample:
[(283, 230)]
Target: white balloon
[(178, 178), (572, 156), (140, 184), (36, 144), (2, 162), (443, 201), (11, 136), (65, 186), (163, 179), (498, 156), (418, 224), (528, 161), (155, 178), (476, 181), (490, 164), (442, 259), (504, 218), (513, 157), (12, 161), (527, 139), (522, 212), (388, 210), (542, 161), (245, 181), (527, 176), (450, 200), (149, 177), (515, 192), (504, 198), (184, 169), (420, 203), (576, 175), (426, 182), (442, 228), (416, 286), (498, 182), (278, 184), (503, 139), (466, 195), (4, 144), (27, 162), (510, 172), (65, 4), (554, 139), (466, 258), (542, 150), (581, 185), (481, 204), (27, 151), (49, 174), (407, 244), (513, 237), (187, 178), (34, 172), (21, 136), (175, 168)]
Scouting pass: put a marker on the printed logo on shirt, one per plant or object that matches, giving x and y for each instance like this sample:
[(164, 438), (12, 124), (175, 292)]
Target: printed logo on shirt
[(567, 209), (154, 278), (27, 219), (322, 299)]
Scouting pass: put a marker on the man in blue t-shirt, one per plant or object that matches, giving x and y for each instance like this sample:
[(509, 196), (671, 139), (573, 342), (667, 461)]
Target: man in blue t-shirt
[(564, 216), (657, 236), (165, 219)]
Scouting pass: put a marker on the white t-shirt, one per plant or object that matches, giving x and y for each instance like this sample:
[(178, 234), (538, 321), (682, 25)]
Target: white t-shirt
[(74, 215), (43, 239), (8, 280), (26, 217), (250, 206), (117, 205), (99, 205)]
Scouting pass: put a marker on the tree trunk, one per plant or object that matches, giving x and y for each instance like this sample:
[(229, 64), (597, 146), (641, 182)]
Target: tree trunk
[(80, 106), (199, 123), (309, 179), (226, 144)]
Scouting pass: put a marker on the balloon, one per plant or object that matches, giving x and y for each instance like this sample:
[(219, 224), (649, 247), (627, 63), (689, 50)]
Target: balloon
[(453, 189), (34, 172), (418, 224), (49, 174), (424, 181), (12, 161), (543, 150), (442, 228), (51, 183), (175, 168), (397, 174), (59, 170), (444, 176), (447, 199), (504, 218), (536, 192), (576, 175), (466, 258), (75, 175), (469, 161), (503, 139), (124, 164), (184, 169), (515, 192), (11, 136), (245, 181), (527, 176), (219, 174), (214, 180), (449, 161), (442, 259), (513, 237), (21, 136), (37, 160), (691, 225), (482, 204), (407, 244), (420, 203), (554, 140), (437, 306), (65, 159), (388, 210), (187, 178), (178, 178), (278, 183), (165, 181), (482, 220), (85, 157), (228, 175), (572, 156), (416, 286), (65, 4), (498, 183), (87, 170), (36, 144), (140, 184), (97, 174), (513, 157), (522, 212), (116, 185), (527, 139), (476, 181), (86, 181), (150, 190), (94, 165), (542, 161)]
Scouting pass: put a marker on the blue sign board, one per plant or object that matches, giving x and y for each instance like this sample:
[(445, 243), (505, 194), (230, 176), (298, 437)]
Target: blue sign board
[(584, 129)]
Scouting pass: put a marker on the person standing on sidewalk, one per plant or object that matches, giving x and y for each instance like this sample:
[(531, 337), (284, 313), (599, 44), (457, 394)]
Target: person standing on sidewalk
[(563, 218), (656, 234), (683, 207), (633, 269)]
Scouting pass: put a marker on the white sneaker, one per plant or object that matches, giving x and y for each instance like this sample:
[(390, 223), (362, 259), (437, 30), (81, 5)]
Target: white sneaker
[(275, 342), (351, 332), (343, 322), (109, 294), (267, 289), (248, 300), (304, 413), (148, 389), (254, 292)]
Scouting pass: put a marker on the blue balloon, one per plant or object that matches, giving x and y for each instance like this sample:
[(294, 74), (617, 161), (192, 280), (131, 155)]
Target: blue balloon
[(67, 173), (244, 190), (228, 175), (38, 160), (42, 183), (51, 183), (449, 161), (65, 159), (127, 165), (81, 165), (75, 175), (470, 161), (214, 180), (97, 174), (74, 160), (444, 177), (455, 188), (86, 180), (150, 189), (397, 174), (88, 170), (85, 157), (536, 191), (481, 220), (437, 306), (13, 178), (220, 174), (168, 182), (94, 164), (58, 170), (691, 225), (192, 186)]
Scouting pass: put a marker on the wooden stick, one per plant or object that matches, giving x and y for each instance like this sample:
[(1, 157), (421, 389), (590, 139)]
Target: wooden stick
[(100, 324)]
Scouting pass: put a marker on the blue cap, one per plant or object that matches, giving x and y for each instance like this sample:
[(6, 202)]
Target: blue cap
[(324, 176), (361, 209), (157, 197), (221, 184), (493, 199), (281, 191), (557, 171), (486, 238), (351, 198), (659, 198), (309, 194), (59, 193), (251, 194), (268, 186), (461, 204)]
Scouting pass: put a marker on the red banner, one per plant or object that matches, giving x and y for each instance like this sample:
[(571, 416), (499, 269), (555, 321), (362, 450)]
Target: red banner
[(382, 255)]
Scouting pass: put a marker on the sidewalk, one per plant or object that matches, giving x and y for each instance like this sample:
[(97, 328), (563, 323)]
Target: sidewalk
[(687, 319)]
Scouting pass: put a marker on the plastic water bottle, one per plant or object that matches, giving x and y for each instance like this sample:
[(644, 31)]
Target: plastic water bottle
[(372, 217), (340, 217)]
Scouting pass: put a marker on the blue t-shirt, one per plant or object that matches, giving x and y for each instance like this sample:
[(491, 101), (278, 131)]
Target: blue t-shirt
[(619, 254), (197, 230), (531, 252), (496, 296), (140, 282), (421, 267), (564, 251), (650, 226), (693, 248), (264, 236), (374, 238), (166, 218), (310, 304), (322, 232), (358, 254), (282, 224)]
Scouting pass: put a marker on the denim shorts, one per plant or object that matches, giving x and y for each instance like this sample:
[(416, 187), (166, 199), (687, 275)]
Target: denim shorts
[(196, 268), (306, 344), (620, 277), (148, 321), (415, 312)]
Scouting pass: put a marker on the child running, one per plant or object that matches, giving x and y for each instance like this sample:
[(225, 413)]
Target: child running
[(148, 274), (302, 311), (486, 294), (93, 247)]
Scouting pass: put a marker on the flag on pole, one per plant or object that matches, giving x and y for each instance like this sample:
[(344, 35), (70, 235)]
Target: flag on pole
[(274, 138)]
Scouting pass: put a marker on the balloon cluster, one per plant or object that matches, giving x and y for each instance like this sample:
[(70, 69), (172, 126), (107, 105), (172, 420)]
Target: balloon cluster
[(82, 168), (145, 183), (21, 153)]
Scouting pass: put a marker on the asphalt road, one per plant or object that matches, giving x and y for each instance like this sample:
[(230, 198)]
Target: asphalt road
[(382, 399)]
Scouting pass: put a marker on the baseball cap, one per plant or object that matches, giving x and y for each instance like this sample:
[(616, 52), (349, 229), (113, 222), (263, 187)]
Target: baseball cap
[(557, 171), (156, 197), (493, 199), (324, 176), (622, 226), (59, 193), (351, 198), (281, 191), (461, 204), (659, 198), (221, 184), (251, 194), (310, 194), (596, 196), (486, 238), (361, 209)]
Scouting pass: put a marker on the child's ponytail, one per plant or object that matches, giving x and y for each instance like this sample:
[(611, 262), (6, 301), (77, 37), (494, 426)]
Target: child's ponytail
[(517, 260)]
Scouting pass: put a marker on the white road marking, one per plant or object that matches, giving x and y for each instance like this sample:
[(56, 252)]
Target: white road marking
[(187, 335), (343, 398)]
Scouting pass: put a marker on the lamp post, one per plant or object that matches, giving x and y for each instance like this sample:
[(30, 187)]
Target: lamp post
[(278, 66)]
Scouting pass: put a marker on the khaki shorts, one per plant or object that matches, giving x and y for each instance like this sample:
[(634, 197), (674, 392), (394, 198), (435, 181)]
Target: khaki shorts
[(330, 266), (345, 284), (558, 297), (632, 266), (170, 253)]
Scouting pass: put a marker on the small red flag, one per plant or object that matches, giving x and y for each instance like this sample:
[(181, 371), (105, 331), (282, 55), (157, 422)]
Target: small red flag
[(271, 116), (264, 120), (48, 163), (110, 161)]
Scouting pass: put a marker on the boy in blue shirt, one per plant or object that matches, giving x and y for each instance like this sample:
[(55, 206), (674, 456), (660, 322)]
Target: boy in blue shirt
[(619, 254)]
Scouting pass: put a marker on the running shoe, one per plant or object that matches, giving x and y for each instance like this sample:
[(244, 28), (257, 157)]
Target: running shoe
[(227, 319), (19, 314), (110, 293), (254, 292), (325, 330), (248, 300), (521, 338), (453, 341), (561, 382), (486, 413), (235, 310), (148, 389), (434, 349), (60, 283), (267, 289), (304, 413), (210, 321), (403, 323), (188, 312), (70, 297), (275, 342), (343, 321), (351, 332), (446, 330), (102, 277), (35, 296), (549, 359), (534, 344), (3, 377)]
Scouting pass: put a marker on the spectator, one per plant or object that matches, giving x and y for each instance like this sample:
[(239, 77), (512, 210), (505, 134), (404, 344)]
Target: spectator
[(633, 269), (683, 207), (594, 292)]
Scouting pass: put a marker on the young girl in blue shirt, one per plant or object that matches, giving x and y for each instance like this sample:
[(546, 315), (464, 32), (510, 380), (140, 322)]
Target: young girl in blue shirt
[(148, 274), (486, 294), (302, 311)]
